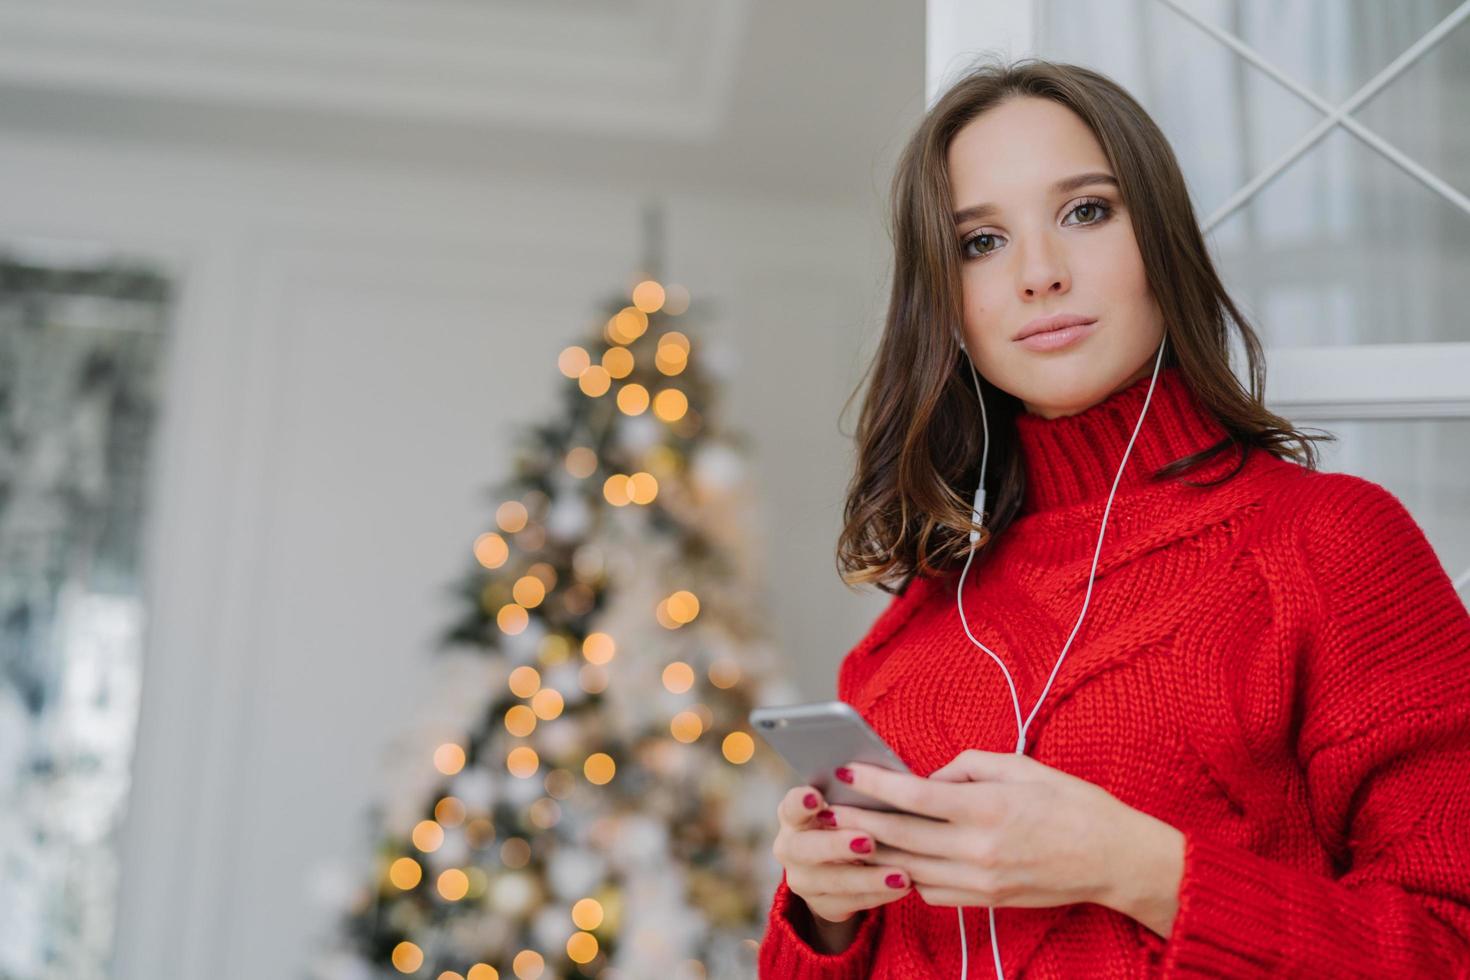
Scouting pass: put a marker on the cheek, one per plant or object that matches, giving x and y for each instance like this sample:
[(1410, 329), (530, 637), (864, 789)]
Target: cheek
[(1120, 269), (982, 305)]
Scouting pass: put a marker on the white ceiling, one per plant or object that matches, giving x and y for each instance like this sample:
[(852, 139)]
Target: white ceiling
[(807, 98)]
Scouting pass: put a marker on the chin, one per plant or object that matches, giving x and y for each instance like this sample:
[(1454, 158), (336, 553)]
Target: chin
[(1070, 393)]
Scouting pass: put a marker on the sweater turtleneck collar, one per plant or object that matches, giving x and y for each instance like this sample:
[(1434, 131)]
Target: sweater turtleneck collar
[(1073, 459)]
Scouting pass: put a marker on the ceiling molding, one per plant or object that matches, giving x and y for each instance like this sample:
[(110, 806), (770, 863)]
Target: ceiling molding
[(641, 68)]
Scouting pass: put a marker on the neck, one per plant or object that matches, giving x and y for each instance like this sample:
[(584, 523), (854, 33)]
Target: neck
[(1073, 459)]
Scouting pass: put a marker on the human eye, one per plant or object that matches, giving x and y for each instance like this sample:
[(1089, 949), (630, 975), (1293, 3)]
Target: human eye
[(965, 252), (1095, 205)]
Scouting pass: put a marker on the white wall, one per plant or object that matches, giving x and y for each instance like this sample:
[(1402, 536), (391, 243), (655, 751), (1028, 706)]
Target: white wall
[(353, 351)]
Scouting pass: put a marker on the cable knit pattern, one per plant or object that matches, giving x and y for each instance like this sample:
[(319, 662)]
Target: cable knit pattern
[(1277, 665)]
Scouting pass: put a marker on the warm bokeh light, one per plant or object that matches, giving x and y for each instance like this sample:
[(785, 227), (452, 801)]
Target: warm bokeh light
[(595, 381), (598, 648), (581, 947), (676, 299), (599, 768), (449, 758), (678, 677), (522, 761), (674, 340), (627, 325), (556, 648), (532, 538), (512, 618), (669, 361), (407, 957), (642, 488), (491, 550), (572, 361), (427, 835), (453, 884), (686, 726), (632, 399), (405, 873), (528, 965), (587, 913), (670, 404), (559, 783), (450, 975), (578, 599), (449, 811), (545, 573), (683, 606), (545, 813), (615, 489), (618, 361), (482, 971), (593, 678), (529, 591), (738, 747), (648, 296), (511, 516), (582, 461), (515, 852), (547, 704), (479, 831), (724, 673), (524, 681), (520, 720)]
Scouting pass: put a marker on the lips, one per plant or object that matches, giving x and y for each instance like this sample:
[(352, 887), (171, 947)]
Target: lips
[(1059, 338), (1057, 321)]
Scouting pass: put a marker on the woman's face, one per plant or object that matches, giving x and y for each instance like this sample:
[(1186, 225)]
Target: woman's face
[(1044, 248)]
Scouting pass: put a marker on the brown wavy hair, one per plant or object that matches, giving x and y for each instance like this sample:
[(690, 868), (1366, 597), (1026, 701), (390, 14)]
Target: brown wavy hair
[(919, 438)]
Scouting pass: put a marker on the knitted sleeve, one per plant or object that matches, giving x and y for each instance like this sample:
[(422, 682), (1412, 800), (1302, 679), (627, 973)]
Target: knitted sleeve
[(784, 952), (1384, 744)]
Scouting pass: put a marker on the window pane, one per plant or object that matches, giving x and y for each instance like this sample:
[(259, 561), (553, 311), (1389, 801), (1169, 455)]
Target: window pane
[(1423, 462), (1343, 247)]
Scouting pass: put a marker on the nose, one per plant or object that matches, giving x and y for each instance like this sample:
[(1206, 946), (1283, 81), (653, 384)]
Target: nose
[(1042, 270)]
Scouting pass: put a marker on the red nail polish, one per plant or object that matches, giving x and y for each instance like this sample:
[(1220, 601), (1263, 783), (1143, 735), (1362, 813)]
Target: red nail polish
[(810, 800), (862, 845), (894, 881), (826, 818), (843, 773)]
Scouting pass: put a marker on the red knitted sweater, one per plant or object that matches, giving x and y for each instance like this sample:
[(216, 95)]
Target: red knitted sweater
[(1278, 666)]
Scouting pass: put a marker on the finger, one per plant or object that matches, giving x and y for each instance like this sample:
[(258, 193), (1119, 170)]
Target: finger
[(854, 882), (823, 846), (926, 869), (930, 798), (974, 765), (799, 805), (919, 835)]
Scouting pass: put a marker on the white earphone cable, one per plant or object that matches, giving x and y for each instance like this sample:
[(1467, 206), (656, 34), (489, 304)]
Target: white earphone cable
[(979, 509)]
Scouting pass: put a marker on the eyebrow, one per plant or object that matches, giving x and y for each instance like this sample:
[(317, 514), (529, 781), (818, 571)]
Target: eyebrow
[(1072, 183)]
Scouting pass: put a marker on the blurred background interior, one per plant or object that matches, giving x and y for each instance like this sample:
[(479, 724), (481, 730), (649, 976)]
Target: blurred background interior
[(422, 434)]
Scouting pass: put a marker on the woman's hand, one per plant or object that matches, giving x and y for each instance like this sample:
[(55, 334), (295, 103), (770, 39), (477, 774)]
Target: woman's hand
[(829, 867), (1009, 830)]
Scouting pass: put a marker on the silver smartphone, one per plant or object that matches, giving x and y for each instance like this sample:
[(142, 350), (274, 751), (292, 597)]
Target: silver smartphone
[(816, 738)]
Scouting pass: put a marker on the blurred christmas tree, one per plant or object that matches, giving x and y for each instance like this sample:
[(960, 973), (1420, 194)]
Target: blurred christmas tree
[(606, 811)]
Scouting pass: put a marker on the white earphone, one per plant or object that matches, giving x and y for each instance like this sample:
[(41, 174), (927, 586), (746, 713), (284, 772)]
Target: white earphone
[(977, 517)]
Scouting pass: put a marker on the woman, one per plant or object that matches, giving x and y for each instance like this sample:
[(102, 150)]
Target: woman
[(1256, 759)]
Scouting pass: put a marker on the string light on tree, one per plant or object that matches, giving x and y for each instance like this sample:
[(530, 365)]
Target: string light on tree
[(449, 758), (609, 508)]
